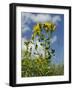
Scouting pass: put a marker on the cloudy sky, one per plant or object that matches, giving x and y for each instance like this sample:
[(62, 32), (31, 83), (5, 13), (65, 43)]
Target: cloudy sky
[(28, 20)]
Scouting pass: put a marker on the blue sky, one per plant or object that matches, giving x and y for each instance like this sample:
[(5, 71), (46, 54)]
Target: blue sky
[(28, 20)]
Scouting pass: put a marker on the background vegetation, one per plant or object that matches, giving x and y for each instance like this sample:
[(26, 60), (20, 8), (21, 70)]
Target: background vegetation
[(40, 67)]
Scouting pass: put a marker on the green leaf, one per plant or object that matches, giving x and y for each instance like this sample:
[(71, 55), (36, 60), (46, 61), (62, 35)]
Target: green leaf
[(33, 37), (41, 44), (46, 48), (39, 40), (53, 51), (36, 46), (49, 57)]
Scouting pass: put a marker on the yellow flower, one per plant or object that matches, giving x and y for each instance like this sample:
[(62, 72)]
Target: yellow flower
[(49, 26), (37, 29)]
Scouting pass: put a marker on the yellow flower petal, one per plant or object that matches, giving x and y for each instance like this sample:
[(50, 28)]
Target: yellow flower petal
[(37, 29), (49, 26)]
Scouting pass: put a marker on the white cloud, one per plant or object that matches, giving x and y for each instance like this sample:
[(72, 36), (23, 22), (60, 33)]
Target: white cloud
[(35, 17), (25, 28), (23, 47), (26, 17), (56, 19), (54, 39), (40, 18)]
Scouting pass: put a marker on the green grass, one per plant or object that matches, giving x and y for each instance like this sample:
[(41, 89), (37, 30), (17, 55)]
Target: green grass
[(40, 67)]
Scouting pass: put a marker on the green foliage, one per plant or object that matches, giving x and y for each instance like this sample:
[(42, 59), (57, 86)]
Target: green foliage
[(40, 67), (36, 46)]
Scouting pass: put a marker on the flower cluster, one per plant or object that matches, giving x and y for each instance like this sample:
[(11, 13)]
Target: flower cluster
[(48, 26), (37, 29)]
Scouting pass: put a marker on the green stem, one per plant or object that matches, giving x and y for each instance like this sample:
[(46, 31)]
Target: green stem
[(45, 47)]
